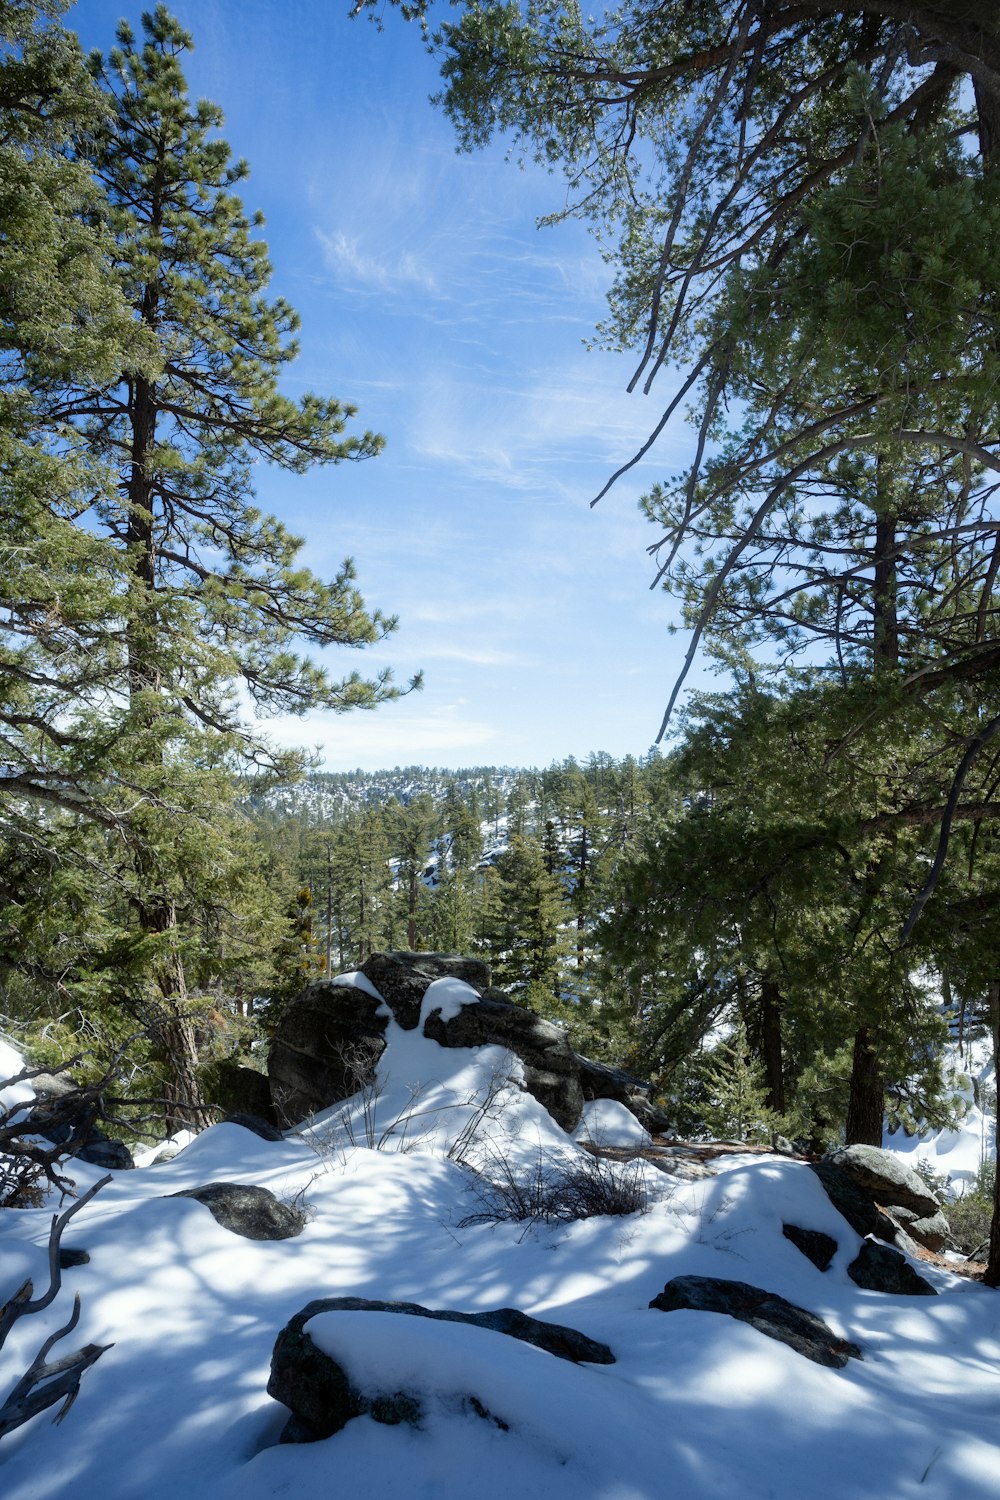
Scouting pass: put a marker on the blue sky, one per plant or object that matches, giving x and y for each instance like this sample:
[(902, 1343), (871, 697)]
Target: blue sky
[(429, 298)]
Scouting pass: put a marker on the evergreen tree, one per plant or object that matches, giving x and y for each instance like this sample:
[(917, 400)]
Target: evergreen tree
[(208, 592), (526, 944)]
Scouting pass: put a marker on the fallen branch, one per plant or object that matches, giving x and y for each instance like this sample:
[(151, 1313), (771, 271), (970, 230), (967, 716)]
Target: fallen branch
[(62, 1377)]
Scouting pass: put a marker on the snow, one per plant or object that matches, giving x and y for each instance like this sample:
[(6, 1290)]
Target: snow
[(605, 1122), (697, 1407), (12, 1063), (956, 1154)]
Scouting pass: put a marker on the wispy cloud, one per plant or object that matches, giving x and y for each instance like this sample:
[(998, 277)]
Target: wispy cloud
[(346, 257)]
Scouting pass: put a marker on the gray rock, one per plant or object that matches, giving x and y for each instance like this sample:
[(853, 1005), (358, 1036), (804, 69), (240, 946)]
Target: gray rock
[(237, 1090), (677, 1164), (886, 1179), (252, 1212), (551, 1072), (818, 1247), (322, 1400), (325, 1049), (260, 1127), (101, 1152), (765, 1311), (853, 1202), (932, 1231), (879, 1268), (402, 979)]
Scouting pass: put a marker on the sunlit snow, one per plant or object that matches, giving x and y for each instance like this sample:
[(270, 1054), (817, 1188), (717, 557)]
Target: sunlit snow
[(697, 1407)]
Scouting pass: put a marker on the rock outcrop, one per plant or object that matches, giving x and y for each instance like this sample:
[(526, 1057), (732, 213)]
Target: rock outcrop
[(765, 1311), (897, 1193), (551, 1072), (328, 1042)]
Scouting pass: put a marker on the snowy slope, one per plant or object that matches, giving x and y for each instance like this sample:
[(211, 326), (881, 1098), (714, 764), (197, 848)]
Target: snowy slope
[(697, 1407)]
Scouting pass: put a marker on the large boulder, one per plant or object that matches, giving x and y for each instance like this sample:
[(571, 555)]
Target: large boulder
[(325, 1048), (765, 1311), (250, 1211), (886, 1179), (551, 1072), (402, 979), (319, 1393), (930, 1230)]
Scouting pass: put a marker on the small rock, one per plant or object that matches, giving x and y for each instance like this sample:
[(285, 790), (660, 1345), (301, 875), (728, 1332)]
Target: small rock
[(252, 1212), (256, 1123), (818, 1247), (765, 1311), (105, 1153), (70, 1256), (879, 1268), (932, 1231)]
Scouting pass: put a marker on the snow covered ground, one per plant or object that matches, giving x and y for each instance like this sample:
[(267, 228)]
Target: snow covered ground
[(697, 1407)]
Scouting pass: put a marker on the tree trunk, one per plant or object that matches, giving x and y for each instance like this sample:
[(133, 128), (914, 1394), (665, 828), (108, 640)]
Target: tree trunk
[(173, 1029), (770, 1045), (867, 1103), (992, 1276)]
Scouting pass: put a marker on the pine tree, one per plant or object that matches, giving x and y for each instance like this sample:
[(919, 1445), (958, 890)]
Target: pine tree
[(526, 943), (209, 596)]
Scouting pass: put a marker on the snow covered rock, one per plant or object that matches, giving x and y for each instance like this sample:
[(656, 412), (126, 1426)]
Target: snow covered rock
[(886, 1179), (879, 1268), (765, 1311), (253, 1212), (324, 1391), (402, 979), (551, 1073), (601, 1081)]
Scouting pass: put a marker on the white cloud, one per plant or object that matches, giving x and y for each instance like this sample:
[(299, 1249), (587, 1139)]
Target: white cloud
[(346, 258)]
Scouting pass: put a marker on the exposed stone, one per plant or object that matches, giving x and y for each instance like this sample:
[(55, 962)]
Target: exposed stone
[(252, 1212), (932, 1231), (765, 1311), (853, 1202), (879, 1268), (99, 1151), (402, 979), (886, 1179), (818, 1247), (322, 1400), (551, 1073), (238, 1090), (71, 1255), (325, 1049), (255, 1123), (679, 1164)]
